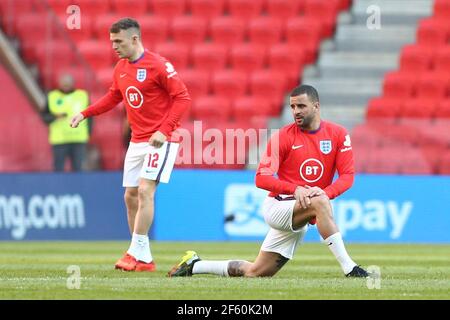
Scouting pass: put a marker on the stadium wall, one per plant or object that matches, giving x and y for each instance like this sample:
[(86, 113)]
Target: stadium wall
[(215, 206)]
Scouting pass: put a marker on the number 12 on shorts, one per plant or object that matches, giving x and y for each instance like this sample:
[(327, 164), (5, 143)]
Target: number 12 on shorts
[(152, 160)]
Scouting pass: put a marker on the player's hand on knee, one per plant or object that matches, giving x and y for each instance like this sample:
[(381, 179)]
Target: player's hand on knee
[(301, 195), (157, 139), (314, 191)]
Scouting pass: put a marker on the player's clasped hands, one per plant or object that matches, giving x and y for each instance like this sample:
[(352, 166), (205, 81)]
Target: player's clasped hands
[(304, 194)]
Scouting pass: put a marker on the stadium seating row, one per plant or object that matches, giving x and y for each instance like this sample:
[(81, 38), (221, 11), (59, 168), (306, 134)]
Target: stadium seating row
[(228, 52), (392, 160), (210, 9)]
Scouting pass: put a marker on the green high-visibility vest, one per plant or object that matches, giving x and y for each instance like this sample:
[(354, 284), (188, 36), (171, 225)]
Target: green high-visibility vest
[(71, 103)]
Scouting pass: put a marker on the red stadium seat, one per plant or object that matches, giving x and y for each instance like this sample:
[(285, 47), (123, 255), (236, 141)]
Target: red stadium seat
[(268, 83), (324, 11), (385, 160), (290, 59), (345, 4), (436, 134), (442, 9), (196, 81), (154, 30), (245, 9), (85, 32), (284, 9), (107, 135), (211, 108), (265, 30), (396, 134), (384, 108), (366, 135), (188, 30), (94, 8), (168, 8), (441, 61), (414, 161), (247, 57), (433, 85), (55, 54), (419, 107), (83, 78), (398, 84), (105, 78), (31, 31), (304, 31), (247, 107), (228, 30), (415, 58), (130, 8), (209, 56), (175, 53), (103, 23), (362, 155), (444, 165), (207, 9), (443, 109), (432, 32), (229, 83), (94, 52), (59, 6)]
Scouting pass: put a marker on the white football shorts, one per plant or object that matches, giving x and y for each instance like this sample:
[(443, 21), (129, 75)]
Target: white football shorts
[(281, 238), (145, 161)]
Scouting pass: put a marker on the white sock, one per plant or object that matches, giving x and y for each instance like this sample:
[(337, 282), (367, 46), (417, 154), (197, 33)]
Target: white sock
[(215, 267), (336, 245), (140, 248)]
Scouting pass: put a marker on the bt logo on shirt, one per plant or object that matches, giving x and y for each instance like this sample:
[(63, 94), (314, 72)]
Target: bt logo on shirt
[(311, 170), (134, 97)]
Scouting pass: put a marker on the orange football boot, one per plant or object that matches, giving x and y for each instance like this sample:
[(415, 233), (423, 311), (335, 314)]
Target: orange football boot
[(142, 266), (126, 263)]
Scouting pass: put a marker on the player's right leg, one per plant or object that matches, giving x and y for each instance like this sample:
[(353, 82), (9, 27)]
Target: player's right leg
[(321, 210), (132, 203), (132, 260)]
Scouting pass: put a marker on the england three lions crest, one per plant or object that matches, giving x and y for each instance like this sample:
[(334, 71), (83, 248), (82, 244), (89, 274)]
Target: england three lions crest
[(326, 146), (141, 75)]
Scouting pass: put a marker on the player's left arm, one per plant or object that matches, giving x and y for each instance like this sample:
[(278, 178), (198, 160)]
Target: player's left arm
[(345, 165), (181, 101)]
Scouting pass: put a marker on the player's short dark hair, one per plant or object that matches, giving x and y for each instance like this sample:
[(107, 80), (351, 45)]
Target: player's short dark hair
[(310, 91), (125, 24)]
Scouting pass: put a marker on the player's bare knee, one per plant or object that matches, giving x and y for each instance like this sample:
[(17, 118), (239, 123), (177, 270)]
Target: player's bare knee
[(322, 205), (130, 195), (146, 192)]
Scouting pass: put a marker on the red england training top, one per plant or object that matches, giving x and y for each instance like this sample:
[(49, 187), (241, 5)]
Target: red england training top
[(307, 158), (154, 96)]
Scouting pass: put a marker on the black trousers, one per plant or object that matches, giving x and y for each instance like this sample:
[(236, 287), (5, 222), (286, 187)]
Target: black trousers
[(76, 152)]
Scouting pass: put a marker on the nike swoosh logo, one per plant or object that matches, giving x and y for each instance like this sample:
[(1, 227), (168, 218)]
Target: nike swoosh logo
[(330, 243), (123, 75), (297, 147)]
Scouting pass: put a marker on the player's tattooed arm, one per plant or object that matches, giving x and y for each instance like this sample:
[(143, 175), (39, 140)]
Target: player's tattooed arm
[(235, 268)]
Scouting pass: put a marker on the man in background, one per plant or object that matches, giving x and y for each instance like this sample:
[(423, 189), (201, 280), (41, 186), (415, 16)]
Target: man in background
[(62, 104)]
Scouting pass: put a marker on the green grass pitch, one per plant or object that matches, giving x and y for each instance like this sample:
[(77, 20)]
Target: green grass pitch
[(39, 270)]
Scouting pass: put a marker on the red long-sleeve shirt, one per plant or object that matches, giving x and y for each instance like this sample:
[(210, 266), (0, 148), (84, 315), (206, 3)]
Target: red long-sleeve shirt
[(311, 158), (154, 96)]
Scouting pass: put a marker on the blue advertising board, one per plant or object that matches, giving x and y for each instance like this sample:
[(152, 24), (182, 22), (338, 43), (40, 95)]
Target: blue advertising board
[(220, 205)]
